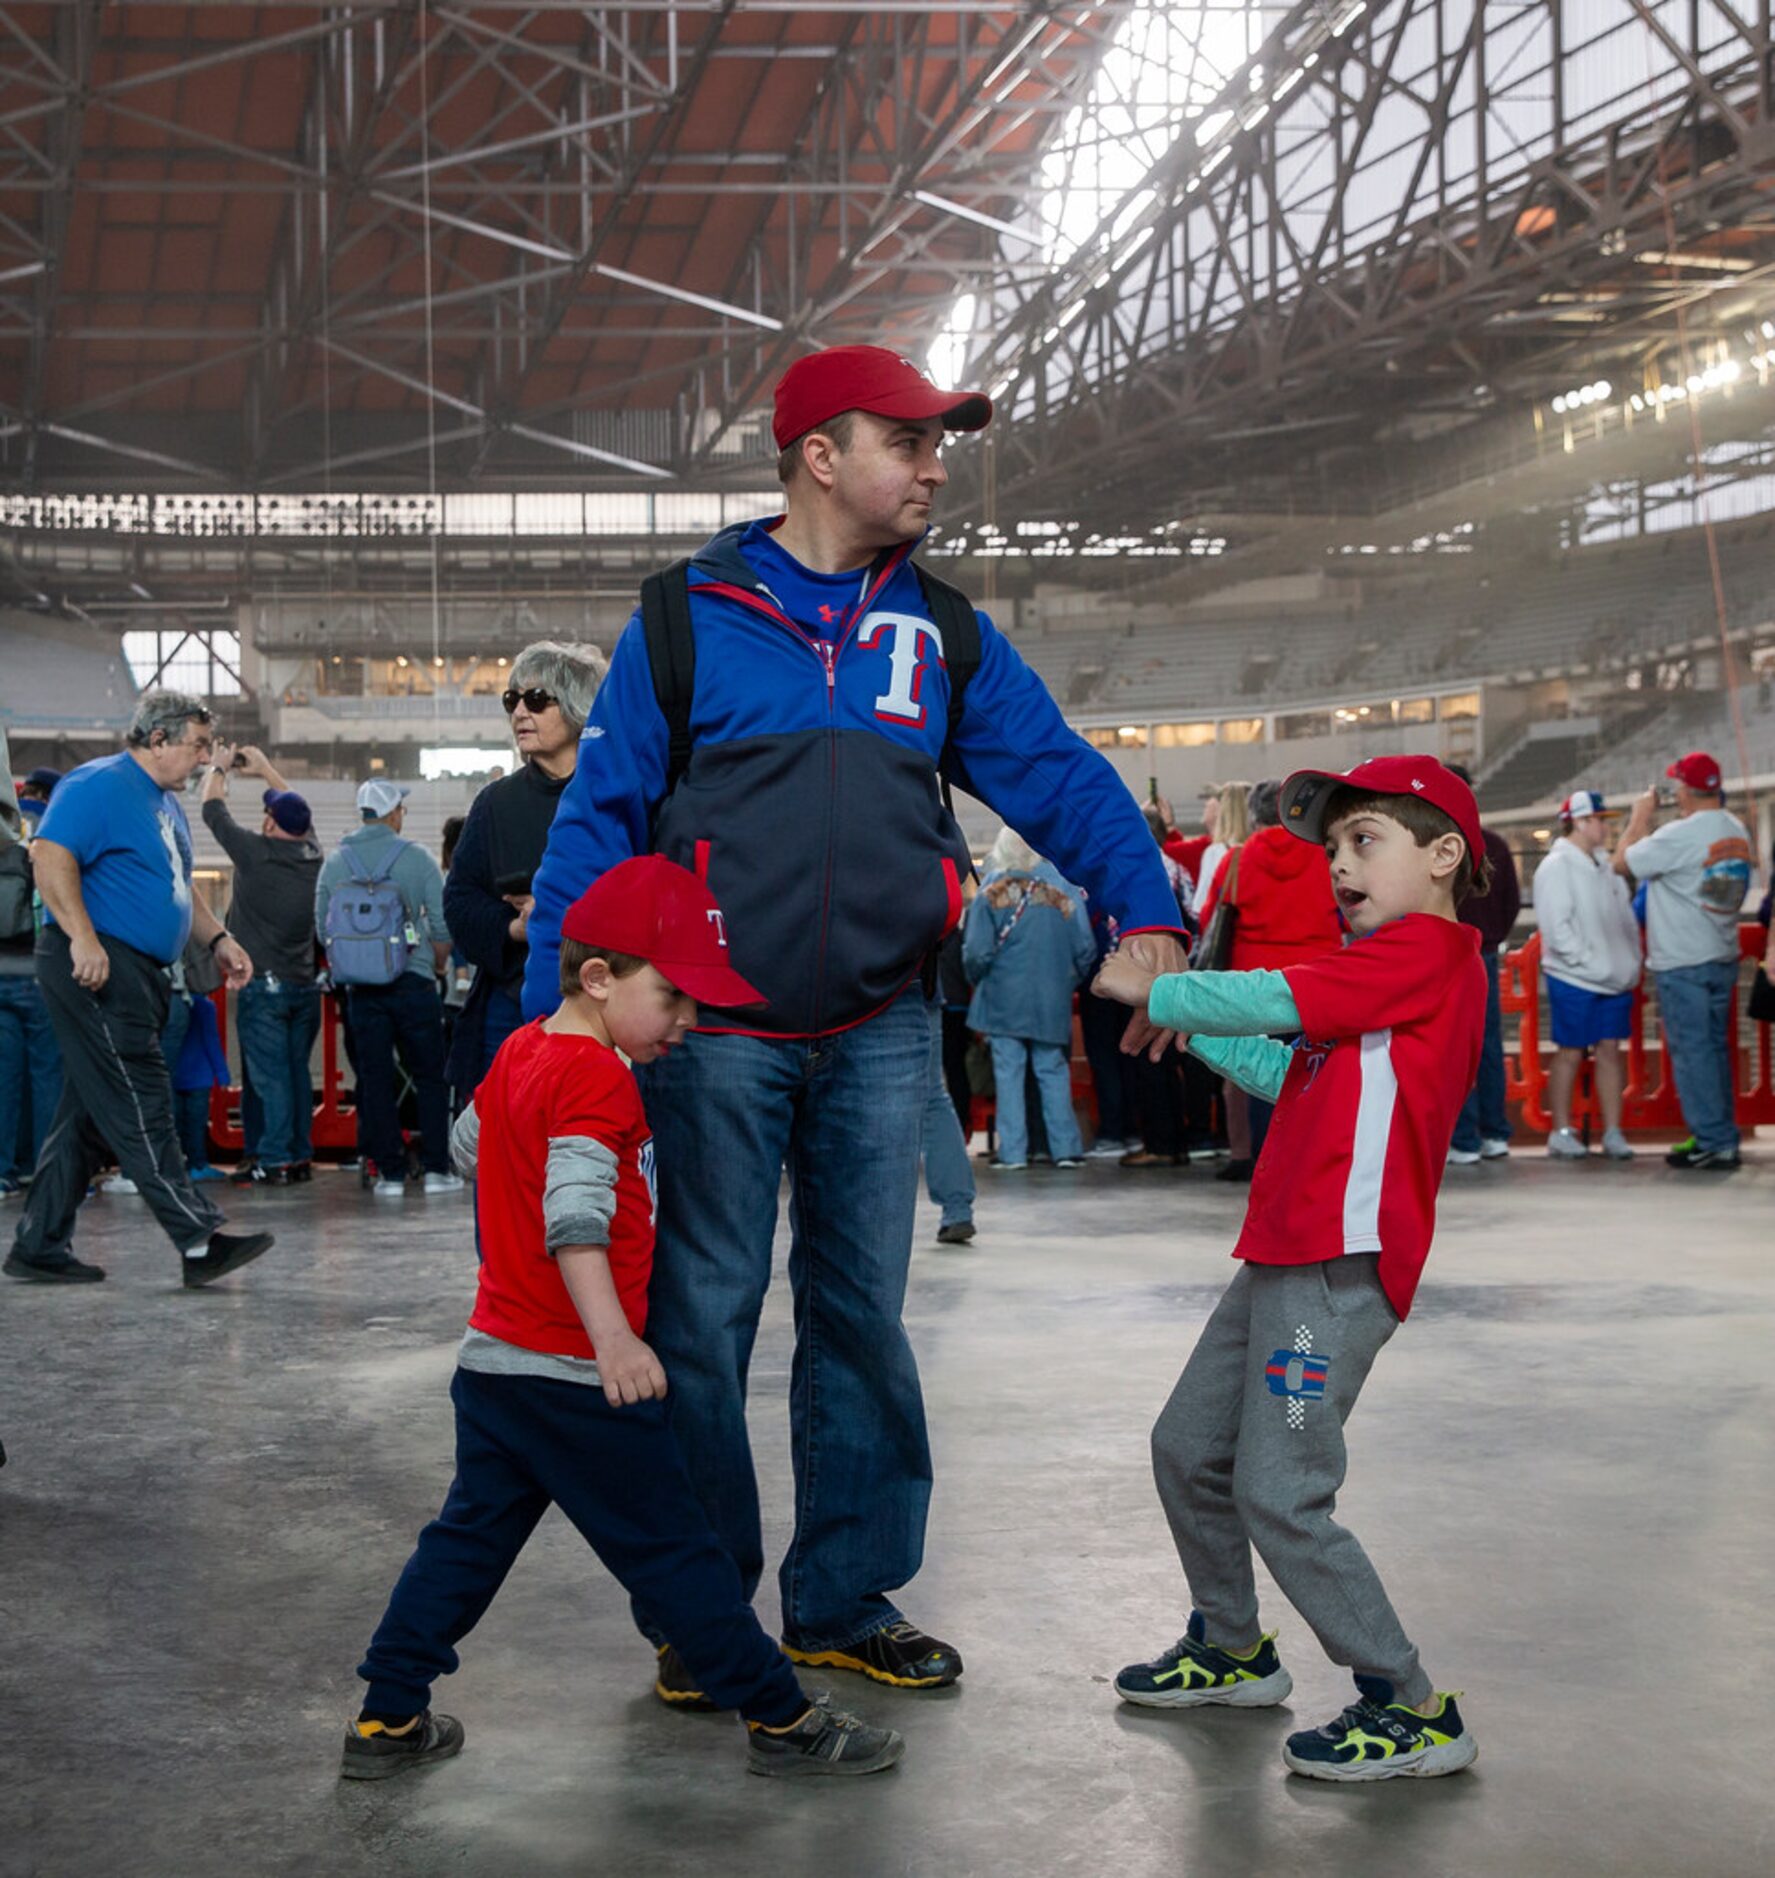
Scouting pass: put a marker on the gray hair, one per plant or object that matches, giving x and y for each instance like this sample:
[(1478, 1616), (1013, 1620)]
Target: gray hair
[(170, 711), (1265, 804), (570, 675), (1011, 854)]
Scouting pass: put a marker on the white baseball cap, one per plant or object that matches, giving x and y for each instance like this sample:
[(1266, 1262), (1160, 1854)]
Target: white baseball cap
[(379, 797), (1578, 804)]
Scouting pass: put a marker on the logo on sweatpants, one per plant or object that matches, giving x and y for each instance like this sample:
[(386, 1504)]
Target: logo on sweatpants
[(1297, 1373)]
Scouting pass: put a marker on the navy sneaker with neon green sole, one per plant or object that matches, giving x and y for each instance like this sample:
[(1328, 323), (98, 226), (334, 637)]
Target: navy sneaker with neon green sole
[(1193, 1674), (1377, 1738)]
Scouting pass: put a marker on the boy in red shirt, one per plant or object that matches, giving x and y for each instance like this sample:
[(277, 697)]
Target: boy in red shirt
[(557, 1398), (1249, 1451)]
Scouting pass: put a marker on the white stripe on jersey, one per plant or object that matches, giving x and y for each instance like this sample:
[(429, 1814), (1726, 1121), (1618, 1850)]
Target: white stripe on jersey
[(1368, 1151)]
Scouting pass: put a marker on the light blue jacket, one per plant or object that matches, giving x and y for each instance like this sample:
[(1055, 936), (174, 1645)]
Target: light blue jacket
[(1026, 947)]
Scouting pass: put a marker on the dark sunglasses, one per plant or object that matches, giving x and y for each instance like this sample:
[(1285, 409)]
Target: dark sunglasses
[(534, 700)]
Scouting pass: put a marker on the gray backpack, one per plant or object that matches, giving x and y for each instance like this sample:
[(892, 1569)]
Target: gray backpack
[(368, 936), (17, 920)]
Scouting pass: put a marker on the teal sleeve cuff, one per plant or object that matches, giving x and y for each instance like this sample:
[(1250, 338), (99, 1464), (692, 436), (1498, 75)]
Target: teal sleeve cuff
[(1258, 1065), (1223, 1004)]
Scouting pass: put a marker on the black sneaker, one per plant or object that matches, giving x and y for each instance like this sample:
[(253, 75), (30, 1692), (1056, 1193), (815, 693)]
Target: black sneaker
[(826, 1740), (1707, 1160), (264, 1176), (1238, 1171), (1193, 1673), (675, 1686), (228, 1252), (372, 1753), (1376, 1738), (67, 1270), (245, 1174), (301, 1170), (957, 1232), (899, 1654), (1681, 1154)]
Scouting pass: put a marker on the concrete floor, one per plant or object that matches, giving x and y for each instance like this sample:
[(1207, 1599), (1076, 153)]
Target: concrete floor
[(1562, 1465)]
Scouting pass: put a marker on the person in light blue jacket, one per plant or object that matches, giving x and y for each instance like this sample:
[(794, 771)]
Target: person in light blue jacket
[(1026, 948)]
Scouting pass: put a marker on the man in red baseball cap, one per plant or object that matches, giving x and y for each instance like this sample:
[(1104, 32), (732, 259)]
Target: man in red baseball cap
[(858, 429), (779, 718), (1697, 872)]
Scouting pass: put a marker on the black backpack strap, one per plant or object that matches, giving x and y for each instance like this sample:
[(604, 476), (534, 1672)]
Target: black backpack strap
[(671, 656), (953, 614)]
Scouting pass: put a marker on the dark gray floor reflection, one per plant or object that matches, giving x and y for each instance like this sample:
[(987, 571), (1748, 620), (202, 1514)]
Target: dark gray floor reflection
[(1562, 1465)]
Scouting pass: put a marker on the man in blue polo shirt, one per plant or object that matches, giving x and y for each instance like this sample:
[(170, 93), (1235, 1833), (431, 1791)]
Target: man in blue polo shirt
[(113, 864)]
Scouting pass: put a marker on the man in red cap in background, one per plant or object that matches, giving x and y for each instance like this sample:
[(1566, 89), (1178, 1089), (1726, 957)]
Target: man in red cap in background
[(776, 718), (1697, 869)]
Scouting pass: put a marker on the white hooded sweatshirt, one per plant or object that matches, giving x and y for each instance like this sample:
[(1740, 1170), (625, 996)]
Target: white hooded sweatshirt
[(1589, 937)]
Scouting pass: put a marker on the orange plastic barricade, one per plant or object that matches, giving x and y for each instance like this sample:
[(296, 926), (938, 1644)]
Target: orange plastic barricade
[(335, 1122), (1649, 1106)]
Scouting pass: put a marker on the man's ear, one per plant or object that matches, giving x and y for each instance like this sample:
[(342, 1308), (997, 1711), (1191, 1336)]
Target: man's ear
[(818, 451)]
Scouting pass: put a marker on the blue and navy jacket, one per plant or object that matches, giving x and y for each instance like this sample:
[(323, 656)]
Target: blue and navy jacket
[(811, 805)]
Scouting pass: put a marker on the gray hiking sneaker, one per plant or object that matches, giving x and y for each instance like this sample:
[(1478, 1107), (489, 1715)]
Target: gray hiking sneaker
[(826, 1740), (372, 1753)]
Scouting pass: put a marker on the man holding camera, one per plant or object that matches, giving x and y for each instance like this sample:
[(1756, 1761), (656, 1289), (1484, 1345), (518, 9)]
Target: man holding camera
[(1697, 869), (275, 871), (113, 857)]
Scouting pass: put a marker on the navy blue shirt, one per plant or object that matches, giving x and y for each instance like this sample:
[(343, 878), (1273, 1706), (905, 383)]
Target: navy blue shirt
[(133, 844)]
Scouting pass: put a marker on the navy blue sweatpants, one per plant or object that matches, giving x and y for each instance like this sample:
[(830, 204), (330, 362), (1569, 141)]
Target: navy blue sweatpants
[(619, 1476)]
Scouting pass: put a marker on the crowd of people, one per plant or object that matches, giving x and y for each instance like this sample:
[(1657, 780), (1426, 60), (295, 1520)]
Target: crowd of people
[(716, 931)]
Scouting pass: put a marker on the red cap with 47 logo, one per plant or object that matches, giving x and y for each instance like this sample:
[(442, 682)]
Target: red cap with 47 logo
[(1307, 792)]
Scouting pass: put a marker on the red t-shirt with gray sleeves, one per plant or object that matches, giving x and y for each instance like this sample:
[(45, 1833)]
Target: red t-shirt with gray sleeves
[(564, 1156), (1391, 1029)]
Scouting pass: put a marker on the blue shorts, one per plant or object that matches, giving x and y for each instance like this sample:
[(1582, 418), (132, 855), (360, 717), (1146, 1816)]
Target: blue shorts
[(1581, 1018)]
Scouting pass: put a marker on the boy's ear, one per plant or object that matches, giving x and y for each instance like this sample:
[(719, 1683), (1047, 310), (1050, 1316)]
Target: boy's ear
[(1446, 855), (594, 979)]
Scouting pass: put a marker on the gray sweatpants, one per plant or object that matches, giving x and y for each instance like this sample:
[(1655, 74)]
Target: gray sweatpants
[(117, 1100), (1249, 1451)]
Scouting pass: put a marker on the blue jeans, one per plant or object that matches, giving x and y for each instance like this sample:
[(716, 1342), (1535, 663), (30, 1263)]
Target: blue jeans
[(1695, 1002), (845, 1115), (30, 1064), (409, 1015), (522, 1444), (949, 1179), (501, 1015), (1053, 1079), (277, 1031), (1483, 1117)]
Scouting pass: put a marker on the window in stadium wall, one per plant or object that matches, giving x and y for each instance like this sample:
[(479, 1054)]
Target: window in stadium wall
[(1116, 737), (1459, 704), (1182, 736), (204, 664), (1303, 724), (1241, 730), (1414, 710)]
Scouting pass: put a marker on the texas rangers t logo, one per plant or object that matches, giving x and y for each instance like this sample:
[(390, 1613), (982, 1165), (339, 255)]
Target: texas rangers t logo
[(900, 702)]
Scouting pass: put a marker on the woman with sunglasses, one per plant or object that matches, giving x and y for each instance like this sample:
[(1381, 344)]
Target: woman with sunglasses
[(487, 895)]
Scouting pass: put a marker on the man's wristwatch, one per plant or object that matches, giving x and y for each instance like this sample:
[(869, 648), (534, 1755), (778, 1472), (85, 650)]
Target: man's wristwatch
[(217, 940)]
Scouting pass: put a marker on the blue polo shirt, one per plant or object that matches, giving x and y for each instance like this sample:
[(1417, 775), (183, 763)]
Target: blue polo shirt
[(133, 844)]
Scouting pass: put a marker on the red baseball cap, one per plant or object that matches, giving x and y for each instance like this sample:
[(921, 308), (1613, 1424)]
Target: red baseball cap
[(1698, 770), (867, 378), (1306, 793), (653, 909)]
